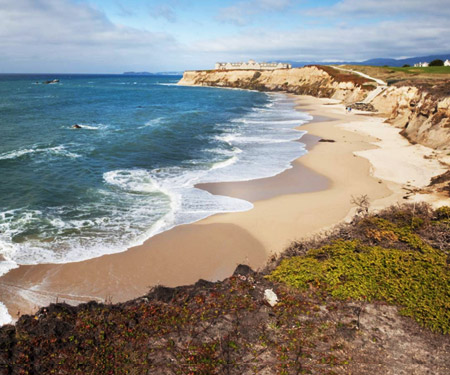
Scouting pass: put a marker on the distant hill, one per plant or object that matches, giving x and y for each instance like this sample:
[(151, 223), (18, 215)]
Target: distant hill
[(153, 74), (375, 62)]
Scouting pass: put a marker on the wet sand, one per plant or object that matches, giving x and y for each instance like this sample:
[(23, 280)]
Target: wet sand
[(310, 197), (298, 179)]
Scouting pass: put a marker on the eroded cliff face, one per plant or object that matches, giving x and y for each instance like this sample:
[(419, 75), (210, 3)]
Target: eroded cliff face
[(304, 81), (421, 110), (423, 115)]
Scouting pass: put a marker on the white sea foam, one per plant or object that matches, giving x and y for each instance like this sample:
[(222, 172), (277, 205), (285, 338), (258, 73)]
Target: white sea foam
[(15, 154), (58, 150), (5, 267), (138, 180), (5, 318), (225, 163), (91, 127), (264, 138), (190, 204), (152, 122)]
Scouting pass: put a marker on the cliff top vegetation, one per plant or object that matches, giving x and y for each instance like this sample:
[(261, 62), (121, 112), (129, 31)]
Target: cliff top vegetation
[(411, 74)]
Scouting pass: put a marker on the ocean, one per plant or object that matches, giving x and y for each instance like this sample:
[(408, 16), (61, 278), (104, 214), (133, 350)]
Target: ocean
[(129, 172)]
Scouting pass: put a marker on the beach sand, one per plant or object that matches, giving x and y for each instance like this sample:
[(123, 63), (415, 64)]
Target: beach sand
[(312, 196)]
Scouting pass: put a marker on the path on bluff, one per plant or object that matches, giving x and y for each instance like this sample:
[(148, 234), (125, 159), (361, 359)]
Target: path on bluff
[(373, 94)]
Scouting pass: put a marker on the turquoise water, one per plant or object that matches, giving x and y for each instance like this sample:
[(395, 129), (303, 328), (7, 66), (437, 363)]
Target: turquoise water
[(72, 194)]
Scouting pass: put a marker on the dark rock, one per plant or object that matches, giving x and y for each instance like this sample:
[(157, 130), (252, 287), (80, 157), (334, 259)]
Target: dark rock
[(162, 293), (51, 82), (444, 177), (243, 270), (204, 284)]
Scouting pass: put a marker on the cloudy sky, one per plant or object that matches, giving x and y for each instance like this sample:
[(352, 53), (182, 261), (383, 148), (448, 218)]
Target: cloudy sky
[(112, 36)]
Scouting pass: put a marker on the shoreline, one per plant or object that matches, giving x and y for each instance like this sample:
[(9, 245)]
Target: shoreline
[(212, 248), (290, 181)]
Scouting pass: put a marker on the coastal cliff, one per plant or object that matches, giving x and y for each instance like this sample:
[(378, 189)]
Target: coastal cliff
[(421, 110), (312, 80)]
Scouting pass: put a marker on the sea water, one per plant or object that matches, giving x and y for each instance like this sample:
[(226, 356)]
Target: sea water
[(129, 173)]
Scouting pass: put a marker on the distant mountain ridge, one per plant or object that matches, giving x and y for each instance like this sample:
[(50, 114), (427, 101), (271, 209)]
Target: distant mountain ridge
[(376, 61)]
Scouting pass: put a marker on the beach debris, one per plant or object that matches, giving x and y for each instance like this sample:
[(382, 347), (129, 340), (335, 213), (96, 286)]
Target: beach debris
[(76, 126), (367, 107), (270, 297), (326, 140)]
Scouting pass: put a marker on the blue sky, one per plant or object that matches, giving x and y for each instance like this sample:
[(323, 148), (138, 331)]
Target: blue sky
[(112, 36)]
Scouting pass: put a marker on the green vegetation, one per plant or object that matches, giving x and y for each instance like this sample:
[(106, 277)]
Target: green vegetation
[(389, 260), (406, 75), (423, 70)]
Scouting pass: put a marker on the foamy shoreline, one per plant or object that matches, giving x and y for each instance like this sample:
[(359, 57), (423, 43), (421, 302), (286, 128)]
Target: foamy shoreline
[(212, 247), (247, 159), (276, 122)]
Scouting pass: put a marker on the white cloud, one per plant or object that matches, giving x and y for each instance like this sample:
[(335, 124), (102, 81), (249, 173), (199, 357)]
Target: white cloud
[(374, 8), (59, 34), (385, 39), (242, 12), (349, 30)]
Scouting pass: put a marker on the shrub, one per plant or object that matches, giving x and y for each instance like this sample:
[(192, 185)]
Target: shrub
[(437, 62), (443, 213), (414, 275)]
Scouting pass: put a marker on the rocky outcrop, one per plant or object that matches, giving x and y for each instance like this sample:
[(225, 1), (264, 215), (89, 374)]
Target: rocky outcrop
[(422, 110)]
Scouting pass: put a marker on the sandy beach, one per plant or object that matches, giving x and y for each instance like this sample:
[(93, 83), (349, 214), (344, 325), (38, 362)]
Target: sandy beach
[(365, 157)]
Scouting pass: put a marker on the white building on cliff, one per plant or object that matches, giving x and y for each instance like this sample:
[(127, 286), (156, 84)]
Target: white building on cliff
[(425, 64), (421, 65), (253, 65)]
